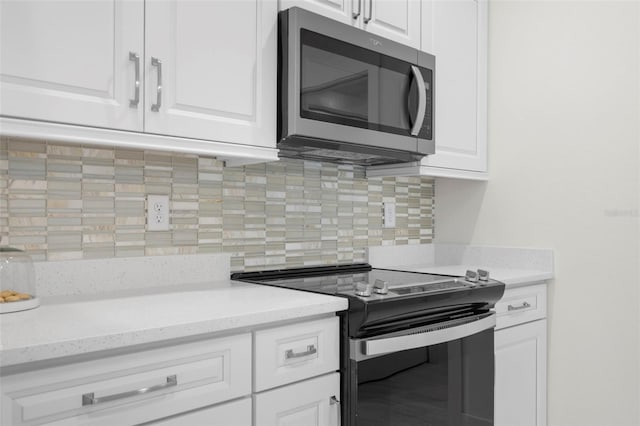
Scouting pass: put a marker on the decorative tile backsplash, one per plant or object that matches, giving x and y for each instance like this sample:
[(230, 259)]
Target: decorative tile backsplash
[(62, 201)]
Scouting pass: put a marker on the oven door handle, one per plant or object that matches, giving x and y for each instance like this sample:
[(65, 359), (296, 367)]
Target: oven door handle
[(416, 339)]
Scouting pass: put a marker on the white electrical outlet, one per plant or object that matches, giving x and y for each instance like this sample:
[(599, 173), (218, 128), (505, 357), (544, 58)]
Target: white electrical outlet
[(389, 215), (157, 212)]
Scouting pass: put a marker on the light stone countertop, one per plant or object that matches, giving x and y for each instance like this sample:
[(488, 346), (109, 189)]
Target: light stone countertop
[(69, 325), (512, 277), (512, 265)]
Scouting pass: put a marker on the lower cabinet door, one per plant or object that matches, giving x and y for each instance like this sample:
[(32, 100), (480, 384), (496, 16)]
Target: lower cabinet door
[(237, 413), (521, 370), (314, 402)]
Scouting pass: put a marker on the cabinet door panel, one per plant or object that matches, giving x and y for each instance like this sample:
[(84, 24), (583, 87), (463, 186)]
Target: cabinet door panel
[(455, 32), (520, 387), (218, 70), (398, 20), (68, 61), (340, 10), (307, 403)]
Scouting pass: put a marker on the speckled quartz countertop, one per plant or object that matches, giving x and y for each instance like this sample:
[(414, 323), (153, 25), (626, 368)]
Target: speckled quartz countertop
[(81, 320), (74, 325), (511, 265)]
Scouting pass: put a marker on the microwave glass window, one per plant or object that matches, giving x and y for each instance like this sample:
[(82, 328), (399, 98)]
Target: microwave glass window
[(346, 84)]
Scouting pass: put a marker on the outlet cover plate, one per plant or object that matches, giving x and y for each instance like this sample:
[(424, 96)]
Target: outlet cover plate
[(389, 215), (157, 212)]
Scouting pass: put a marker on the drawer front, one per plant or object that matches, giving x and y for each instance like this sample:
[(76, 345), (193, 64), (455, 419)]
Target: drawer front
[(295, 352), (314, 402), (131, 388), (237, 413), (521, 304)]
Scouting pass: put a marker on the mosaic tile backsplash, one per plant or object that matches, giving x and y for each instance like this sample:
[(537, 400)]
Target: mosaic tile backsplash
[(62, 201)]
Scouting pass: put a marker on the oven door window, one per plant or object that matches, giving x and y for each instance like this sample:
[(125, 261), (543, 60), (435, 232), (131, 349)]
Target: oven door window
[(450, 384), (345, 84)]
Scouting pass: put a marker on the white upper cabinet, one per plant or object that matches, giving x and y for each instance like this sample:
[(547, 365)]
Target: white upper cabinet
[(457, 36), (68, 61), (397, 20), (340, 10), (211, 70), (183, 75), (455, 31)]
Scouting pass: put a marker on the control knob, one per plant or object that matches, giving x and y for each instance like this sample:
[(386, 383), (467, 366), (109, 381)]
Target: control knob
[(363, 289), (381, 287)]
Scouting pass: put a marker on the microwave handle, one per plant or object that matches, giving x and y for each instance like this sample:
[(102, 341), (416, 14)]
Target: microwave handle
[(422, 101)]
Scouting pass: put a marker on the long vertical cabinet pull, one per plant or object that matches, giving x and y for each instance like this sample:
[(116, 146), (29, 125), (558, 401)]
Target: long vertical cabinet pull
[(155, 62), (133, 103), (333, 401), (355, 15), (369, 15)]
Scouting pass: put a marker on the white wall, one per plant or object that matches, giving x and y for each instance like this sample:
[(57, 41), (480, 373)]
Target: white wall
[(564, 156)]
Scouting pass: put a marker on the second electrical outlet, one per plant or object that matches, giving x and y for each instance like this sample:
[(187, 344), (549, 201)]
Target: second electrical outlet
[(157, 212)]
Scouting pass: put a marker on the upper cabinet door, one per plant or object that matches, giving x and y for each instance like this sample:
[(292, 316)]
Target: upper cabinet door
[(69, 61), (344, 11), (456, 33), (397, 20), (211, 70)]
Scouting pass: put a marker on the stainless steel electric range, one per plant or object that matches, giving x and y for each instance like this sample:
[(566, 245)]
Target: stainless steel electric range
[(416, 349)]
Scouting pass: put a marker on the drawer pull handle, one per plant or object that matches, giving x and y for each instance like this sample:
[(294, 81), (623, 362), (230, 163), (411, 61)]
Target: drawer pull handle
[(289, 354), (524, 305), (90, 399)]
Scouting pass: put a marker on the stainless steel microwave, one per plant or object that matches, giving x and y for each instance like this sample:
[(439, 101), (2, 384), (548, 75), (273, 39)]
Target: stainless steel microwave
[(348, 96)]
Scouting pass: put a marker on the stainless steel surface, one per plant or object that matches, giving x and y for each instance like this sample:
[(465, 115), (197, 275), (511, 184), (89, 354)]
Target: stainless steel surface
[(524, 305), (418, 337), (133, 103), (299, 132), (290, 354), (363, 289), (483, 275), (90, 399), (422, 101), (381, 287), (158, 64), (355, 15)]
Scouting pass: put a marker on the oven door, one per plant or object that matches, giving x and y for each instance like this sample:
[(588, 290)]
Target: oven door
[(439, 375)]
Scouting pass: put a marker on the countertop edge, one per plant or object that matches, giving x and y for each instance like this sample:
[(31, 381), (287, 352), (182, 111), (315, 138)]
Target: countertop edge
[(50, 352)]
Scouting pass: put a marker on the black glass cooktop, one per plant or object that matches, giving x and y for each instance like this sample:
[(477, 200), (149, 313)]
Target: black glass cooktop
[(336, 282)]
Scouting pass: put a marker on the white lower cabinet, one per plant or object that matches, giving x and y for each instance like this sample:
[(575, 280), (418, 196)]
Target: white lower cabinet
[(236, 413), (284, 375), (313, 402), (521, 358), (130, 389)]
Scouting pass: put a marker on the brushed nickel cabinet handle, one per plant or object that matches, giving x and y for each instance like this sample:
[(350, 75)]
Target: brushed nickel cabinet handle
[(90, 399), (524, 305), (355, 15), (370, 15), (155, 62), (133, 103), (289, 354)]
